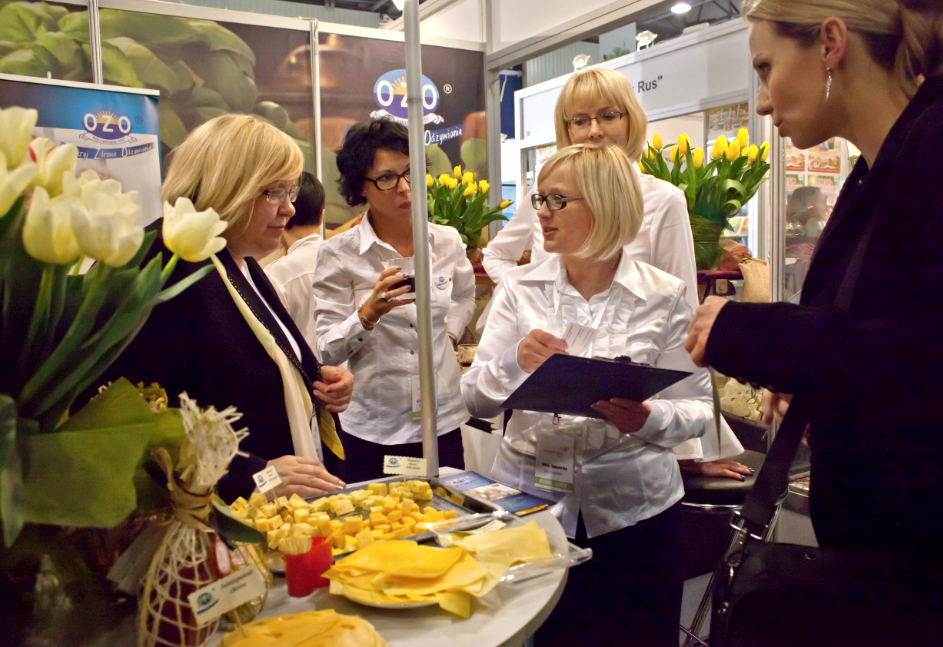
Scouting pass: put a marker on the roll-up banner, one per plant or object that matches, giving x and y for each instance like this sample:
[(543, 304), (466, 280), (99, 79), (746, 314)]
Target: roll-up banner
[(115, 130), (363, 78)]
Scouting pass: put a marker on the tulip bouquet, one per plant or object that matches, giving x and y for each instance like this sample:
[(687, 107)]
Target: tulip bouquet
[(60, 330), (714, 191), (460, 202)]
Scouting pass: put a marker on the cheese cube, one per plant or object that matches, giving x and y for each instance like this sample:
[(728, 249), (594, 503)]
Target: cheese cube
[(407, 506), (438, 515), (342, 507), (384, 528), (325, 527), (283, 532), (402, 533), (422, 526), (388, 506), (390, 536), (339, 540), (276, 522), (301, 516), (364, 538), (376, 534), (255, 513), (281, 500), (262, 524), (394, 516), (298, 504), (269, 509), (428, 509), (416, 515), (353, 525), (357, 496), (395, 526), (377, 517), (272, 539), (239, 503), (285, 514), (350, 543), (257, 500), (301, 530), (409, 522), (451, 514), (376, 508), (377, 488)]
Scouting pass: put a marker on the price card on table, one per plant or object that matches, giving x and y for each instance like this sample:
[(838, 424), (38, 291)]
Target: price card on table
[(267, 479), (405, 465), (226, 594)]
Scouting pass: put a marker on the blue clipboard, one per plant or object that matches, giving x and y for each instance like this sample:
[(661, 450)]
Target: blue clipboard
[(568, 385)]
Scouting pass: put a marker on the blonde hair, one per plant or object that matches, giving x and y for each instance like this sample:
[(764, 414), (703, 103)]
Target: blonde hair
[(608, 183), (600, 84), (227, 162), (903, 36)]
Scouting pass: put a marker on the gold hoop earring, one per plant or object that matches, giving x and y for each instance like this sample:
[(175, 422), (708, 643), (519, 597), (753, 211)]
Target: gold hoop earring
[(828, 85)]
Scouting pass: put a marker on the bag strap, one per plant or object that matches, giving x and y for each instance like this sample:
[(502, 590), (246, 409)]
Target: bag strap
[(770, 485)]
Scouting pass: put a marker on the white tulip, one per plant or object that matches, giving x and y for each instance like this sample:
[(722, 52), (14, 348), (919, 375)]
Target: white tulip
[(106, 224), (53, 162), (47, 232), (16, 132), (192, 234), (13, 183)]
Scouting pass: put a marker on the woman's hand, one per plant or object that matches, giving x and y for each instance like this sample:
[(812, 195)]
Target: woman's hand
[(723, 468), (537, 348), (381, 300), (304, 476), (627, 415), (700, 329), (335, 388), (774, 405)]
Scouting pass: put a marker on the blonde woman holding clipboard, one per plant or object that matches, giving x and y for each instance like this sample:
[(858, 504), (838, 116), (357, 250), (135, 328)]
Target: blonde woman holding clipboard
[(616, 480)]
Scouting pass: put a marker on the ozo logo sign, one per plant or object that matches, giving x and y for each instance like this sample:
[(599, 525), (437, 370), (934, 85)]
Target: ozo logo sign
[(107, 125), (390, 94)]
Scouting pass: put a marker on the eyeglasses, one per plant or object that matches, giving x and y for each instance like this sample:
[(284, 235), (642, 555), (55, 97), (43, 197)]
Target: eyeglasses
[(277, 196), (388, 181), (554, 202), (605, 119)]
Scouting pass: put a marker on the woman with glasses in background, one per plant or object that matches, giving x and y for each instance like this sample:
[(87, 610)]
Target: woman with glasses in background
[(228, 341), (625, 485), (364, 315), (598, 106)]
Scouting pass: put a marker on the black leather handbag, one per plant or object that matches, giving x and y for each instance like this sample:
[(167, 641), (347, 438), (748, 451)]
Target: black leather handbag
[(781, 595)]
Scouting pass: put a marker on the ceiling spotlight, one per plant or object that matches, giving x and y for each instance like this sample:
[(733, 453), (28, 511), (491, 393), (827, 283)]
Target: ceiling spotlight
[(681, 7)]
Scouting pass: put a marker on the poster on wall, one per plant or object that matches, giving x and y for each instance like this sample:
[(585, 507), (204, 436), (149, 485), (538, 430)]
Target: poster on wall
[(364, 78), (44, 39), (795, 158), (115, 131), (725, 119), (208, 68), (793, 182), (826, 157), (829, 185)]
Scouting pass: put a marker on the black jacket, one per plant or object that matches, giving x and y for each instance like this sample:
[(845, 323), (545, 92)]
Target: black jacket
[(200, 343), (874, 373)]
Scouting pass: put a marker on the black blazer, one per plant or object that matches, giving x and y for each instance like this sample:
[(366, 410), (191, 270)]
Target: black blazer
[(874, 373), (200, 343)]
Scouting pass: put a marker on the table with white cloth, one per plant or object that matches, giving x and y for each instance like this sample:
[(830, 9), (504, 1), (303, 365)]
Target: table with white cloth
[(507, 616)]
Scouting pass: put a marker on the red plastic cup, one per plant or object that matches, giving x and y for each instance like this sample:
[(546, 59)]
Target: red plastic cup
[(321, 559)]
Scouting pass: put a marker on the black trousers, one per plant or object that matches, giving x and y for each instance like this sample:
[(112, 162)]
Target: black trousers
[(628, 594), (365, 459)]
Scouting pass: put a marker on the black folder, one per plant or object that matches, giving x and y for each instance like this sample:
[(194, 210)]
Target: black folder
[(569, 385)]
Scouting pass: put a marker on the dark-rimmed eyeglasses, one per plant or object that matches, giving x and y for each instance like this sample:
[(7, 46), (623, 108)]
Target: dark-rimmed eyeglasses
[(277, 196), (605, 119), (388, 181), (553, 201)]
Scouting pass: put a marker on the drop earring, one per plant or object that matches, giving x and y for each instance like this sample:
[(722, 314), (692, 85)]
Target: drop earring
[(828, 85)]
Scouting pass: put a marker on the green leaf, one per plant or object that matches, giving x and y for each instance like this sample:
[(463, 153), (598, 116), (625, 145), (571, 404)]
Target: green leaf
[(233, 531), (24, 22), (220, 38), (35, 61), (150, 29), (61, 46), (185, 79), (733, 184), (12, 504), (75, 26), (171, 292), (117, 68), (83, 474), (220, 71), (207, 97), (149, 70), (172, 130), (7, 428), (273, 112)]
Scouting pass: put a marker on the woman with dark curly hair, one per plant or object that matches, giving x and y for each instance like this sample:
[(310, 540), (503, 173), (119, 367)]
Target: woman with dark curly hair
[(363, 319)]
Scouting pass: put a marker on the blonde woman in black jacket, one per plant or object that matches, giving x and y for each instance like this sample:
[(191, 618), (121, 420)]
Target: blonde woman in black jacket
[(868, 71)]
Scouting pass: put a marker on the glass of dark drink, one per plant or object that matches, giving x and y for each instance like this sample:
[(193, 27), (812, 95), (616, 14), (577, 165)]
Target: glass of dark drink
[(405, 266)]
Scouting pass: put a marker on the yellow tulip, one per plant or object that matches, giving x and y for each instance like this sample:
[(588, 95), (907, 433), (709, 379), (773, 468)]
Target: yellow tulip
[(684, 144), (16, 133), (733, 151), (698, 157), (752, 153), (764, 152), (483, 186), (641, 167), (53, 161), (457, 171), (470, 191), (657, 144), (468, 178), (444, 179), (743, 138), (720, 148), (674, 154), (47, 234), (14, 182), (191, 234), (429, 180), (505, 204)]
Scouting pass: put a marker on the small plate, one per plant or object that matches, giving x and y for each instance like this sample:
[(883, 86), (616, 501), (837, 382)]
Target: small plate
[(391, 605)]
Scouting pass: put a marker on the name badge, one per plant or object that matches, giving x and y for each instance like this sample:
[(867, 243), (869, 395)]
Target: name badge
[(555, 459), (578, 338), (441, 282)]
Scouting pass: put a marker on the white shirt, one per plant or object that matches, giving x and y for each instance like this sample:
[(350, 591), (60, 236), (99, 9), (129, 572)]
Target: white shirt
[(664, 241), (620, 479), (385, 360), (293, 274)]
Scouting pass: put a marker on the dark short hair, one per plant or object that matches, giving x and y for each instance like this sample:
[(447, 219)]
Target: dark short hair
[(310, 203), (359, 150)]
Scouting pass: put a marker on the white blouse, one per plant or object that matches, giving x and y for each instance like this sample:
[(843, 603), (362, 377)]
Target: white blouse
[(620, 479), (385, 360)]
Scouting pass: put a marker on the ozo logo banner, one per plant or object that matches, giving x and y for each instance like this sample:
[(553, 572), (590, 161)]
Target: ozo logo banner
[(390, 94)]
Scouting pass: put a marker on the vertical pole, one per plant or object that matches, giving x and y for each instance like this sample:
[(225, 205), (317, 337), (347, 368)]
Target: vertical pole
[(492, 113), (316, 92), (421, 256), (95, 42)]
